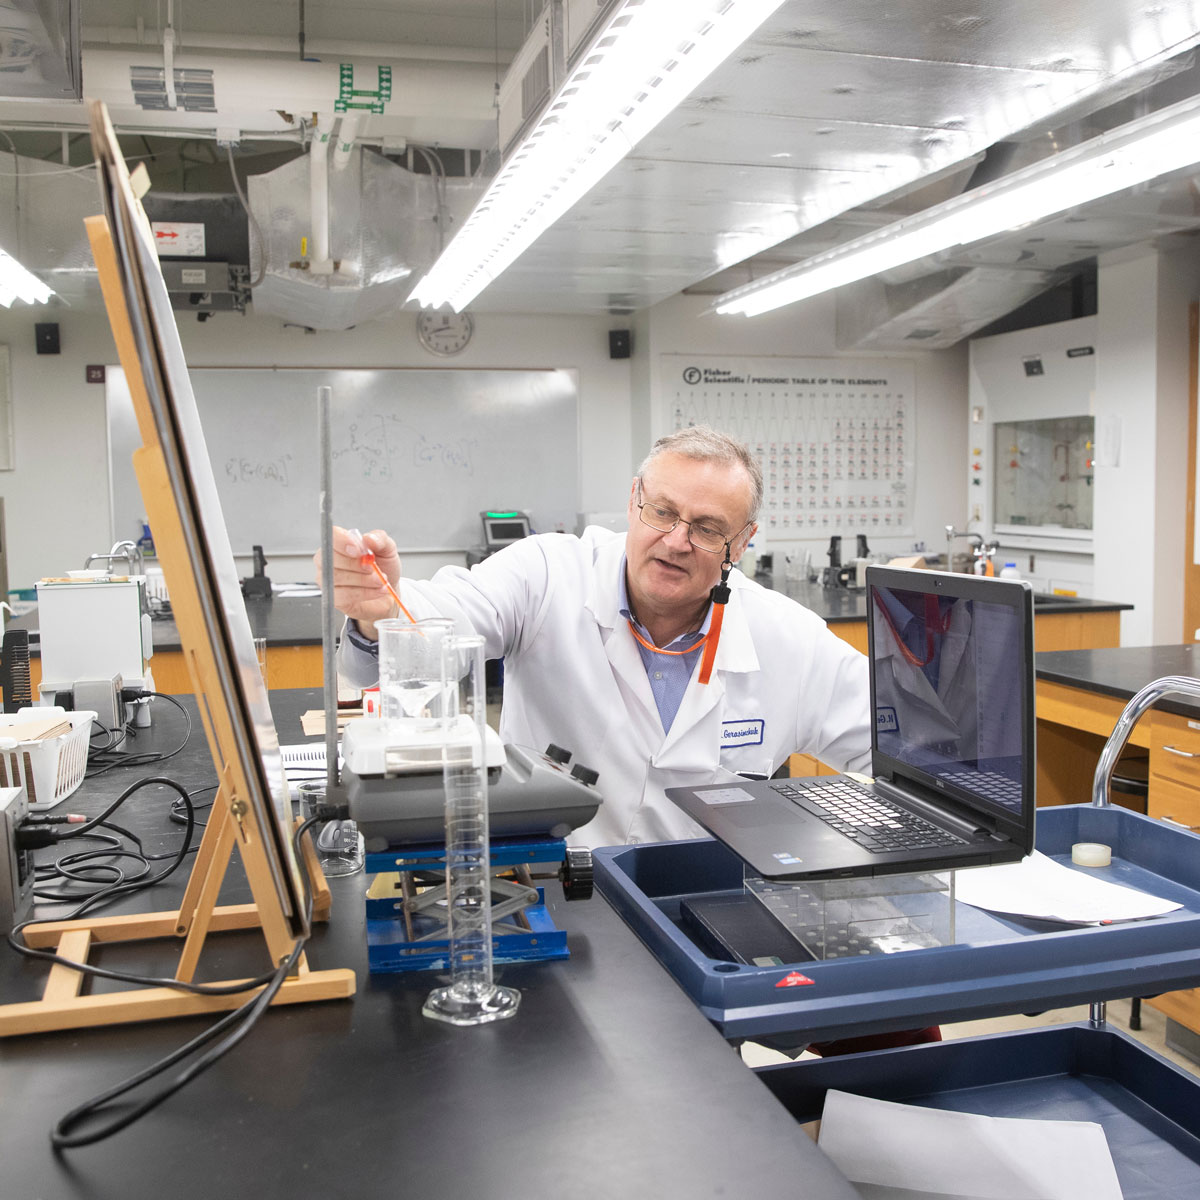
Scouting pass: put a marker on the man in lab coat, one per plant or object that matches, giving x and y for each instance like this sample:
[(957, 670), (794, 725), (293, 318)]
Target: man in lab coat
[(603, 638)]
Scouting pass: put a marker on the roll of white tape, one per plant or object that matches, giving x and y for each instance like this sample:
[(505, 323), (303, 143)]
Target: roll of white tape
[(1091, 854)]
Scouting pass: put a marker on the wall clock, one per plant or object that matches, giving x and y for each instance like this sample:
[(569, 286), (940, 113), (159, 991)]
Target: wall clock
[(445, 333)]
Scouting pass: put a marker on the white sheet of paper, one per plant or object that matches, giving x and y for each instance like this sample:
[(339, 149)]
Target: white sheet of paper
[(903, 1152), (1040, 887)]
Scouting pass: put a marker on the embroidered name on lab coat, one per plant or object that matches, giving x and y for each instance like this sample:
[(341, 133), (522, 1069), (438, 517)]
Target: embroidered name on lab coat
[(886, 720), (742, 733)]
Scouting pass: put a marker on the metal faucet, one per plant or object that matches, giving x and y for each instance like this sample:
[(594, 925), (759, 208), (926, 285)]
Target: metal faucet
[(129, 552), (1169, 685), (976, 540)]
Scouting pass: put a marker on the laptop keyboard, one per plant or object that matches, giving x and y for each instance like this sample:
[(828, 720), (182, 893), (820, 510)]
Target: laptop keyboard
[(875, 824)]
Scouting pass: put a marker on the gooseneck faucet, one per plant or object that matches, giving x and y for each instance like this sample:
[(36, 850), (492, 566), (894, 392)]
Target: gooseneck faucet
[(1169, 685)]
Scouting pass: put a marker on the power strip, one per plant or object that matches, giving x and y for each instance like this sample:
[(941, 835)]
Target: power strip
[(16, 865)]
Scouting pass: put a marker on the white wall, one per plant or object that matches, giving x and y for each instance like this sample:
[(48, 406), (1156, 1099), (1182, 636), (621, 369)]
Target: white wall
[(683, 325), (1142, 383), (57, 497)]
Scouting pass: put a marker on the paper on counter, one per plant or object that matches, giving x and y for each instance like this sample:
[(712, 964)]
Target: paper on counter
[(1047, 890), (903, 1152), (312, 722)]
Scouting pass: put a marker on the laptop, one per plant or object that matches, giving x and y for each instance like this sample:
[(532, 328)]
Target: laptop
[(952, 747)]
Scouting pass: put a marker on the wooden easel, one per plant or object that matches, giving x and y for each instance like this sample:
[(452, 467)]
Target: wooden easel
[(232, 820)]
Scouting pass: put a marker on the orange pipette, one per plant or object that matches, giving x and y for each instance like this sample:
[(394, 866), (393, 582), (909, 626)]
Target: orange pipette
[(367, 559)]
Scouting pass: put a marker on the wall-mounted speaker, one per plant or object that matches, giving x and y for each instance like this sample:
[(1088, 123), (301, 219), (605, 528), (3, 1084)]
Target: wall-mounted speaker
[(46, 337), (619, 343)]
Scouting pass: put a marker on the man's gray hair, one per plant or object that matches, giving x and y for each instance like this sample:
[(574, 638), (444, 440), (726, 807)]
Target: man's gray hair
[(710, 445)]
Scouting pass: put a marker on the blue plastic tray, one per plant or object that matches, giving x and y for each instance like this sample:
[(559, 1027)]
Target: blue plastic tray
[(997, 966), (1149, 1108)]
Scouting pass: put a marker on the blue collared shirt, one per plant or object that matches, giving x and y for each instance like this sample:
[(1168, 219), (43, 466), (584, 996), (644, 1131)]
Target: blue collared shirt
[(668, 673)]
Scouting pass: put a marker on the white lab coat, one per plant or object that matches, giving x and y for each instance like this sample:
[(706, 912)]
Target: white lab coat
[(974, 712), (573, 676)]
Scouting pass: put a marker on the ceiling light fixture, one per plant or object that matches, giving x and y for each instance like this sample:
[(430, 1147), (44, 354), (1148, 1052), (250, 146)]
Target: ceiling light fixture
[(16, 283), (1142, 150), (645, 59)]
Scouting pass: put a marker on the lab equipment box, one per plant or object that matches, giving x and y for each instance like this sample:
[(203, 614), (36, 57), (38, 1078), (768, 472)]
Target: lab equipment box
[(1148, 1107), (995, 965)]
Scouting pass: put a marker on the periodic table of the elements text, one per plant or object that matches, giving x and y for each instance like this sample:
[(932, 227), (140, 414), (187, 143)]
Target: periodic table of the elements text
[(836, 437)]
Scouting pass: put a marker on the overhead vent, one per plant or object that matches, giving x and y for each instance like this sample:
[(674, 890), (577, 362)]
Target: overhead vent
[(193, 89), (558, 36), (383, 231), (40, 56), (937, 309)]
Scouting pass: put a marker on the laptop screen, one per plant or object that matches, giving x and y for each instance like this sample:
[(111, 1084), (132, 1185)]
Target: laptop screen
[(951, 664)]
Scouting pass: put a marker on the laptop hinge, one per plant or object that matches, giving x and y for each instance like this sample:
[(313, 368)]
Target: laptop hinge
[(972, 823)]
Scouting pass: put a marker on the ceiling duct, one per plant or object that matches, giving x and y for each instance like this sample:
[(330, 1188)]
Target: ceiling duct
[(935, 311), (42, 210), (203, 250), (382, 229), (40, 50)]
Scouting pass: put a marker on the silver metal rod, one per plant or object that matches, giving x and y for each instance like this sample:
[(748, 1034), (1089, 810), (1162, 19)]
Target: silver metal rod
[(328, 612), (1169, 685)]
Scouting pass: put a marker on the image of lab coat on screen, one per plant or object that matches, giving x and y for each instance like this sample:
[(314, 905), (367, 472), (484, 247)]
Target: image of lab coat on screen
[(948, 682)]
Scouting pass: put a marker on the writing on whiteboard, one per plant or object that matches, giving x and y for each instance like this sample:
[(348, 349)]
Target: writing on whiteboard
[(241, 469), (379, 445)]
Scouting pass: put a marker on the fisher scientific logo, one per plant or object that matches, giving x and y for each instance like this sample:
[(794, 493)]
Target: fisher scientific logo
[(691, 375)]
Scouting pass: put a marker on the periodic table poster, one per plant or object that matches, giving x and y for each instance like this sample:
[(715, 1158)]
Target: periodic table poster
[(836, 437)]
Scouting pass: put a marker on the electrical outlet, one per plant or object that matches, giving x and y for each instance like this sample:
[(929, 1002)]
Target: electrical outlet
[(976, 513)]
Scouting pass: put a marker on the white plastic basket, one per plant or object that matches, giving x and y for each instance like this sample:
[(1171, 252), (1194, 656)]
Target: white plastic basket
[(51, 769)]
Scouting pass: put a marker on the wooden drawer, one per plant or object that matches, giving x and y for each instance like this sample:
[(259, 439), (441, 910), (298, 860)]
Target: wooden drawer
[(1176, 801), (1183, 1007), (1175, 749)]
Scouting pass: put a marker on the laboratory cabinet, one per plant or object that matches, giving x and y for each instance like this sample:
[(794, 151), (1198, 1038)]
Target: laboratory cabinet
[(1175, 796)]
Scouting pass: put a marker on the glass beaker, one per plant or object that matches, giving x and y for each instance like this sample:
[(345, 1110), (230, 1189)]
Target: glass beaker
[(410, 668), (340, 847)]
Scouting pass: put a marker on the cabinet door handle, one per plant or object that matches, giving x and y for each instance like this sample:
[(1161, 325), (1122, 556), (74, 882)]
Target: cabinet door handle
[(1177, 824), (1181, 753)]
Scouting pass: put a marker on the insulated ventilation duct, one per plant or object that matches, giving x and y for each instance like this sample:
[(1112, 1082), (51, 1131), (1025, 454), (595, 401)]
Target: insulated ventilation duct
[(934, 311), (382, 232)]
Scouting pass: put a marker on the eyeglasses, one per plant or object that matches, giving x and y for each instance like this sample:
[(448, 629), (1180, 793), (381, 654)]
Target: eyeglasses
[(702, 536)]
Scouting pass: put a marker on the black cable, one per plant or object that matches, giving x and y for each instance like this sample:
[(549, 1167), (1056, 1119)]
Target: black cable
[(140, 760), (240, 1022)]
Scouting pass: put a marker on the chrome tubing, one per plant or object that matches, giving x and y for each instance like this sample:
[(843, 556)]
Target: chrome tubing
[(1169, 685)]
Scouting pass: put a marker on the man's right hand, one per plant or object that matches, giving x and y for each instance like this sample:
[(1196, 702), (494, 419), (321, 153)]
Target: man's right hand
[(357, 590)]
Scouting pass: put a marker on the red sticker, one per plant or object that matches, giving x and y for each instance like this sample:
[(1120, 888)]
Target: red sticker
[(793, 979)]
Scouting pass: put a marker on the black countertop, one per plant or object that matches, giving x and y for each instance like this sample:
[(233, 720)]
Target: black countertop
[(1122, 671), (282, 620), (296, 620), (607, 1083), (849, 604)]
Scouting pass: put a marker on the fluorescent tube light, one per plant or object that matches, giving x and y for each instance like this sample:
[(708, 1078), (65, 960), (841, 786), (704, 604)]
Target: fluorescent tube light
[(1134, 153), (647, 57), (16, 283)]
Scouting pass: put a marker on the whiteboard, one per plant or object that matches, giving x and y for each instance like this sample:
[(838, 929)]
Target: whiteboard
[(419, 453)]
